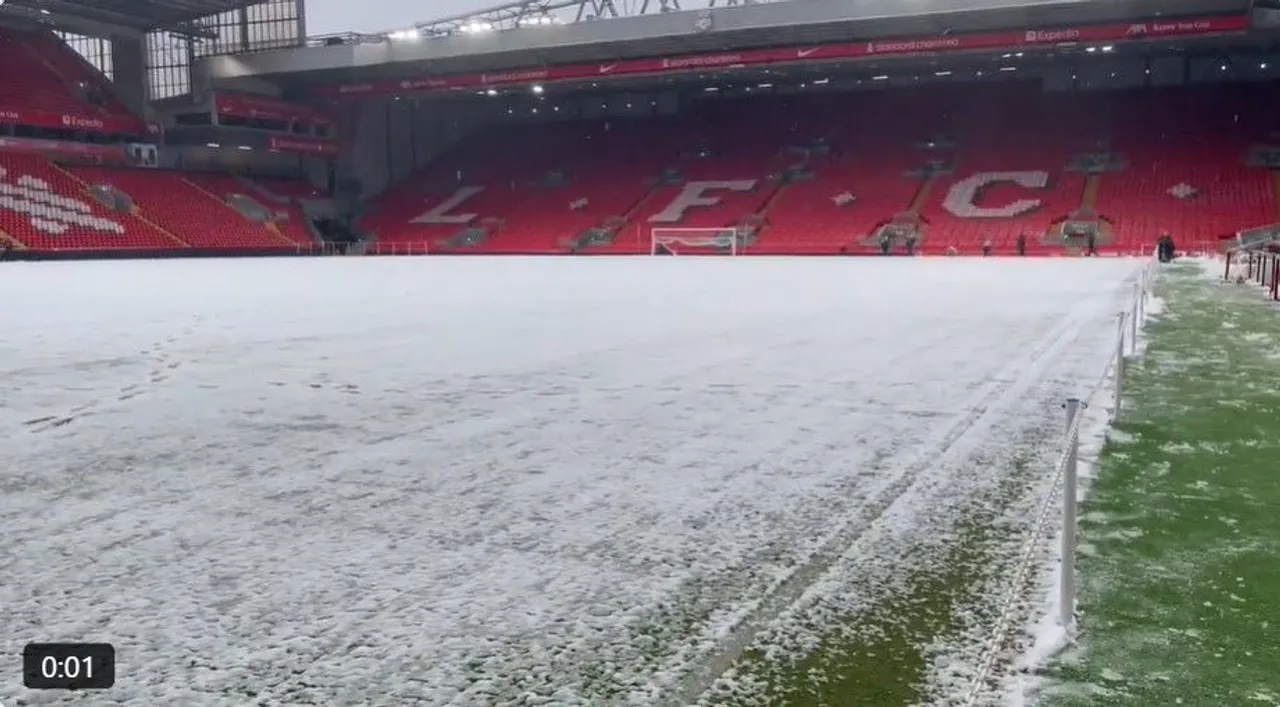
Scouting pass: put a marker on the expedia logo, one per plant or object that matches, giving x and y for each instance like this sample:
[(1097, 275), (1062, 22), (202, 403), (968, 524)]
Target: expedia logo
[(75, 121), (1039, 36)]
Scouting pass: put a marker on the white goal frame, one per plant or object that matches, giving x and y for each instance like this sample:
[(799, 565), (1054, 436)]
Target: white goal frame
[(671, 237)]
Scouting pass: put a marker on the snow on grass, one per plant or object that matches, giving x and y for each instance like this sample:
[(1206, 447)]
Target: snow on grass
[(482, 483)]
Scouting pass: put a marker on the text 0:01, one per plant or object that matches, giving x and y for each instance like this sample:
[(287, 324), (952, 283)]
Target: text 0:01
[(68, 666)]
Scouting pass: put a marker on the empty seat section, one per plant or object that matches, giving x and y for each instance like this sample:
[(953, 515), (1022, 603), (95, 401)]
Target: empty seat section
[(485, 177), (73, 68), (1199, 193), (225, 187), (730, 204), (29, 83), (814, 216), (1186, 170), (185, 210), (1010, 178), (46, 209), (550, 221), (976, 162)]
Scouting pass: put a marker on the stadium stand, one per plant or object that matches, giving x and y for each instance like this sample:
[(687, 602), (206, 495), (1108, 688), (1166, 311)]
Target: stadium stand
[(947, 166), (176, 205), (963, 173), (41, 73), (46, 208)]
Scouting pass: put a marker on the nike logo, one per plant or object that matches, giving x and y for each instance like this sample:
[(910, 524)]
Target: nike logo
[(802, 53), (606, 68)]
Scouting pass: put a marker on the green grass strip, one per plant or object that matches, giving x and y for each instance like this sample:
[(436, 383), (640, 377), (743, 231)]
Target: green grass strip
[(1180, 566)]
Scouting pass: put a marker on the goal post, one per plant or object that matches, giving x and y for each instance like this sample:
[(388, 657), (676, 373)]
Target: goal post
[(670, 240)]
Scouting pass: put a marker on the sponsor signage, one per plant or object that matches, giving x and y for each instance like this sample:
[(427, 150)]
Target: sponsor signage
[(263, 108), (105, 153), (995, 41), (303, 145), (110, 125)]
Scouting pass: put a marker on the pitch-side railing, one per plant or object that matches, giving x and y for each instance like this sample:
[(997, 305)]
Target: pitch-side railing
[(1064, 487), (1259, 266)]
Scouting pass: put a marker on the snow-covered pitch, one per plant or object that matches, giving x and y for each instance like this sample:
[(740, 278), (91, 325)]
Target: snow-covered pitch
[(486, 482)]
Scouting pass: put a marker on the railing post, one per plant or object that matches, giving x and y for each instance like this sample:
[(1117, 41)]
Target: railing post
[(1226, 272), (1142, 299), (1133, 321), (1067, 586), (1119, 362)]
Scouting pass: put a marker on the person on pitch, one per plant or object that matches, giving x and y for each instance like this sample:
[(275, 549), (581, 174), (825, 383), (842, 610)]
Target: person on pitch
[(1022, 244), (986, 246), (911, 243), (886, 243)]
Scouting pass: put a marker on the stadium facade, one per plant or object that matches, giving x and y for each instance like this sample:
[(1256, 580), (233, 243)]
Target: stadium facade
[(565, 127)]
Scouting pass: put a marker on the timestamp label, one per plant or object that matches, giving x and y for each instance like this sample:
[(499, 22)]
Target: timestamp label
[(68, 666)]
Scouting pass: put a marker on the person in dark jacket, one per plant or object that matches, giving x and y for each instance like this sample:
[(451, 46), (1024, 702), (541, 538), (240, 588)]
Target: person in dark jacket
[(911, 243), (986, 246), (1022, 244), (886, 243), (1092, 244)]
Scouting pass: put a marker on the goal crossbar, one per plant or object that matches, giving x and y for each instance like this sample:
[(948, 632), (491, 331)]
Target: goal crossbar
[(670, 240)]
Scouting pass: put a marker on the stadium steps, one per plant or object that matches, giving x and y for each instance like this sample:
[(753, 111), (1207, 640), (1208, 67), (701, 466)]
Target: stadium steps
[(274, 228), (269, 226), (922, 195), (16, 244), (762, 214), (136, 212), (1089, 198), (778, 192)]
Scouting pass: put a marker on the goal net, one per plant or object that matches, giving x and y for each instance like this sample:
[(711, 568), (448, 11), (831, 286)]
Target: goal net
[(694, 241)]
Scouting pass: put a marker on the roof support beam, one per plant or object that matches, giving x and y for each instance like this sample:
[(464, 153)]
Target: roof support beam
[(89, 27)]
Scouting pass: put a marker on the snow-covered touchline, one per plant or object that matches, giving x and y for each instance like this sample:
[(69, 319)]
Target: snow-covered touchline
[(994, 395), (1021, 583)]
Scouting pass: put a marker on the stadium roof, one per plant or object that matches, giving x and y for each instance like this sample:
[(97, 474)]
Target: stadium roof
[(139, 15)]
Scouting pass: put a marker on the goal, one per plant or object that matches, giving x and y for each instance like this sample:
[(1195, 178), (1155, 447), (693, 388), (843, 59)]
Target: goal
[(695, 241)]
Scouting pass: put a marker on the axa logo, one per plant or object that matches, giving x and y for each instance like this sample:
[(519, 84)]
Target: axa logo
[(1136, 29), (75, 121)]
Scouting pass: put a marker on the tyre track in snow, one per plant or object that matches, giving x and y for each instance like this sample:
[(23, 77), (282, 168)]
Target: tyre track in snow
[(1009, 383)]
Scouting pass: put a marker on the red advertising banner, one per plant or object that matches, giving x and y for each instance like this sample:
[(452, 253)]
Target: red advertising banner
[(303, 145), (243, 105), (1029, 39), (106, 124), (101, 153)]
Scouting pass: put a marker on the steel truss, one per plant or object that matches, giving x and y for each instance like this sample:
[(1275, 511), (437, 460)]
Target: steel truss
[(543, 12)]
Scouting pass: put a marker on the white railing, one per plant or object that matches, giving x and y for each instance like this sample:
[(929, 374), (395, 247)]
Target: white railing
[(1065, 483)]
